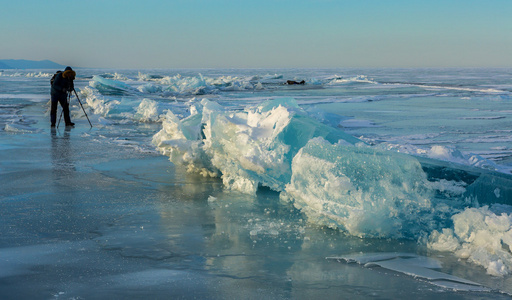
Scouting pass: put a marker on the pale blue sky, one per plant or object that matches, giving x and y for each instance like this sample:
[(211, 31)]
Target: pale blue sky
[(264, 33)]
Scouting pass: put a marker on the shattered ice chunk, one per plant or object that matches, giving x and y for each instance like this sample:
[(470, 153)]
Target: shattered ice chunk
[(364, 191), (480, 236)]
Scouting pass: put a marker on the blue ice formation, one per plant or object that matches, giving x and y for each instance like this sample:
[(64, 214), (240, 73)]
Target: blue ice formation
[(249, 148), (111, 87), (366, 192), (335, 179)]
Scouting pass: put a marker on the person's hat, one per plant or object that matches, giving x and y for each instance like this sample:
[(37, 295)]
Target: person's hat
[(68, 68), (70, 74)]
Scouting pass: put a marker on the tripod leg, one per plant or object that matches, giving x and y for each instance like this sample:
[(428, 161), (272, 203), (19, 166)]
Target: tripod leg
[(82, 107)]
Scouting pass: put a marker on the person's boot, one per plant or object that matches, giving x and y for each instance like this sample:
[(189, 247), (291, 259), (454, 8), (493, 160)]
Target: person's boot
[(70, 124)]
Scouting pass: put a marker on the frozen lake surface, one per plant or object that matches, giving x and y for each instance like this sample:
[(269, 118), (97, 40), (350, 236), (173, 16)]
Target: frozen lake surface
[(359, 184)]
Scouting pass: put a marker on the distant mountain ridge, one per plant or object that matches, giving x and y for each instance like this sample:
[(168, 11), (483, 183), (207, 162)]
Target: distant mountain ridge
[(29, 64)]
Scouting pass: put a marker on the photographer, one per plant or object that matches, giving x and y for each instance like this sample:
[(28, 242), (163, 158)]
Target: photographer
[(62, 84)]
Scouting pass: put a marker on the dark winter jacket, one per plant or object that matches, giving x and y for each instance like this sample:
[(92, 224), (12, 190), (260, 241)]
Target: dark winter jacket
[(62, 84)]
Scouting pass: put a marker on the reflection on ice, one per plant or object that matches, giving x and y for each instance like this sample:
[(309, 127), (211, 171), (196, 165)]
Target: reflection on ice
[(24, 260), (182, 281)]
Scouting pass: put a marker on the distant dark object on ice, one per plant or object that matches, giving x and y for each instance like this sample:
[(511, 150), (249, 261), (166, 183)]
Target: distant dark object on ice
[(292, 82), (29, 64)]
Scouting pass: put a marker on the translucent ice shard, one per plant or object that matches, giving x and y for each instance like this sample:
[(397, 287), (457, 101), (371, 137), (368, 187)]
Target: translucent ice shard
[(111, 87), (413, 265), (361, 190)]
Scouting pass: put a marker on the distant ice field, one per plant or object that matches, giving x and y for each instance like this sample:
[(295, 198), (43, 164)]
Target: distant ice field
[(462, 109)]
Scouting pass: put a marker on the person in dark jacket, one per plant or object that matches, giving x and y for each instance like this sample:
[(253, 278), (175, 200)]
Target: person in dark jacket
[(62, 84)]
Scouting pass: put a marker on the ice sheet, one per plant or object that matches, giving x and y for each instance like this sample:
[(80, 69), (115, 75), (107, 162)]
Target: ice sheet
[(413, 265), (142, 216)]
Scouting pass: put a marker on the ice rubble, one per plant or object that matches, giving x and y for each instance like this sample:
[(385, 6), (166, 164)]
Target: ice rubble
[(202, 85), (248, 148), (344, 80), (335, 179), (145, 110), (364, 191), (481, 236), (29, 74), (178, 84)]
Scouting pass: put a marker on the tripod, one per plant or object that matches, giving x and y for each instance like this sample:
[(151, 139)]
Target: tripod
[(69, 100)]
